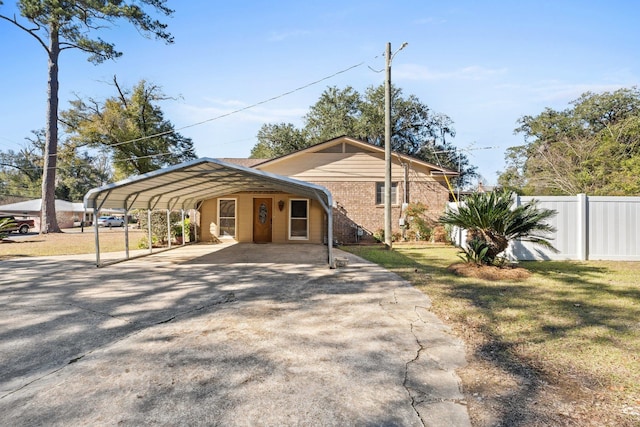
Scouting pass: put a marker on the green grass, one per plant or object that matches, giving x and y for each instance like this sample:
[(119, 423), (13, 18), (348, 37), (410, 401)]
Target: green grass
[(574, 325)]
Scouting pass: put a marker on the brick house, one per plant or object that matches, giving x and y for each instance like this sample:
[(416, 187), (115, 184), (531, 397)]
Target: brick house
[(353, 171)]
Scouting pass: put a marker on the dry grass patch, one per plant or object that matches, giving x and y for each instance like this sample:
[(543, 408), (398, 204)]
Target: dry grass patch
[(69, 242), (561, 347), (488, 272)]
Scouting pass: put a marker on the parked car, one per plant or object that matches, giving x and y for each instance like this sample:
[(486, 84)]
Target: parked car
[(110, 221), (22, 226)]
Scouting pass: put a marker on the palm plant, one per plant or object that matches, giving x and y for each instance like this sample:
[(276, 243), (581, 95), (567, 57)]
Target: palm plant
[(492, 218)]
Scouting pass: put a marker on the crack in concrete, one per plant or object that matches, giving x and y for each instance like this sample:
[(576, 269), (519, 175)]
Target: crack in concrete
[(228, 298), (406, 375), (123, 319)]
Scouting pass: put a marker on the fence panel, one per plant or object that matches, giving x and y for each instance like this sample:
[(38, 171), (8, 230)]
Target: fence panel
[(596, 228), (614, 228)]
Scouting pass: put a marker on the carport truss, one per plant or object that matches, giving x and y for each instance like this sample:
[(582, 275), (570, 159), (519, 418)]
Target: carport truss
[(186, 185)]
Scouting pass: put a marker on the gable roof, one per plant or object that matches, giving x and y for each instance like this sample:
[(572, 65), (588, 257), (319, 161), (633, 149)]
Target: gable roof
[(362, 146), (182, 186)]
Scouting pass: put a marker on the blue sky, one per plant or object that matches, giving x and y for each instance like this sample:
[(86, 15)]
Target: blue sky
[(484, 64)]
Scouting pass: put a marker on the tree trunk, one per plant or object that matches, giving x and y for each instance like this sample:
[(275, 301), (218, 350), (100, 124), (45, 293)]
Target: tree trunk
[(48, 221)]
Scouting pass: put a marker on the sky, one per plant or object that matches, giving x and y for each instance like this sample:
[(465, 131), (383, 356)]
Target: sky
[(236, 65)]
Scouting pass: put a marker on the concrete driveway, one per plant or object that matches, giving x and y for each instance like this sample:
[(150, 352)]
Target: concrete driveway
[(229, 335)]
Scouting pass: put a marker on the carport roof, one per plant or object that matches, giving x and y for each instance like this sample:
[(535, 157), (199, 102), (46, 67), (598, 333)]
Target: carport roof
[(182, 186)]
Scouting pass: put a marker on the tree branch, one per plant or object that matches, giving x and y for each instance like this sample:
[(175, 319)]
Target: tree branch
[(31, 31)]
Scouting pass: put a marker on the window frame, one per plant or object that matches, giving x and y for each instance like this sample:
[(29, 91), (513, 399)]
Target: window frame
[(380, 191), (235, 219), (291, 218)]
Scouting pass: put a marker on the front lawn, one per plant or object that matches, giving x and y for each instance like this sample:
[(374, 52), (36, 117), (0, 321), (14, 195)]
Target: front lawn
[(559, 348), (69, 242)]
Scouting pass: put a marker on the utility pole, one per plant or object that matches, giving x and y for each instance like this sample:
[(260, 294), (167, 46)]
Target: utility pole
[(387, 146)]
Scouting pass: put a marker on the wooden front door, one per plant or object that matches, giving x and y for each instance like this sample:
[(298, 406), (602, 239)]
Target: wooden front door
[(262, 220)]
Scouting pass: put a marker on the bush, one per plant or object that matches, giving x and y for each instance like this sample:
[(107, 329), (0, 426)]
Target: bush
[(379, 235), (476, 252), (159, 224), (143, 243), (420, 227), (441, 235)]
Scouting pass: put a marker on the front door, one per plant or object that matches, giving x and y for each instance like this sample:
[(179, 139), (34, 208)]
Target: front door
[(262, 220)]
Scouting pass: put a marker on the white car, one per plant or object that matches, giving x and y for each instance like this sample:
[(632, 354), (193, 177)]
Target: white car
[(110, 221)]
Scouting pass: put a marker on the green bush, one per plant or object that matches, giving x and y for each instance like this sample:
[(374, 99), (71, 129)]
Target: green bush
[(420, 227), (476, 252), (379, 236), (143, 243), (159, 224)]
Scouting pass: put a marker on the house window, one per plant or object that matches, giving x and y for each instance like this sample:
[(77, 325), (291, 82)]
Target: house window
[(227, 218), (298, 219), (380, 193)]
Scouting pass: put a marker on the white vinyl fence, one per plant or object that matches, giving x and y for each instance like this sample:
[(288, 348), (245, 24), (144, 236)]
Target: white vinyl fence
[(588, 228)]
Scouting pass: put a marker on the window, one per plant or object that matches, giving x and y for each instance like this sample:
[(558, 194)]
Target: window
[(227, 218), (380, 193), (298, 219)]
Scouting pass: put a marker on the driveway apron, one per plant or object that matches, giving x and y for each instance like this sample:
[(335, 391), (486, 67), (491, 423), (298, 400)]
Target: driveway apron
[(228, 335)]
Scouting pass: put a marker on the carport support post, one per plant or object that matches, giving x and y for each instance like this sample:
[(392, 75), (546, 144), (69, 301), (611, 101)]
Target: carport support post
[(97, 238), (168, 228), (149, 229), (126, 233), (182, 215)]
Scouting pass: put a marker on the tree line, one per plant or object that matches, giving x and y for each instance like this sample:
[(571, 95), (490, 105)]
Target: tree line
[(591, 147)]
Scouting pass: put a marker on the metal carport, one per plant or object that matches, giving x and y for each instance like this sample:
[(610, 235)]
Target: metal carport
[(185, 185)]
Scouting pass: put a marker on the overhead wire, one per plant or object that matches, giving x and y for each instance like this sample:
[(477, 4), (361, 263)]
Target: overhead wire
[(248, 107), (239, 110)]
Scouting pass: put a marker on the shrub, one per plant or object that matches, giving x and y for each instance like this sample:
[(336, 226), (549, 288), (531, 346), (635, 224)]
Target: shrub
[(418, 222), (476, 253), (143, 243), (159, 224), (379, 236)]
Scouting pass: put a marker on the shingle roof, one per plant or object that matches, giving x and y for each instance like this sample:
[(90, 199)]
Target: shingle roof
[(247, 163)]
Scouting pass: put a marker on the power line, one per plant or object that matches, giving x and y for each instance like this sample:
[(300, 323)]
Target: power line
[(315, 82), (243, 108)]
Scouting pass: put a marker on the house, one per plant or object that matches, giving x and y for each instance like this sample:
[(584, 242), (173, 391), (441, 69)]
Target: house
[(68, 214), (352, 170)]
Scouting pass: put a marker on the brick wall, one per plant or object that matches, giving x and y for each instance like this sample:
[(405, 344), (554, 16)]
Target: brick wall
[(355, 206)]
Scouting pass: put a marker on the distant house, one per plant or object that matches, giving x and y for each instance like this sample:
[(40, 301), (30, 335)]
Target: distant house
[(68, 214), (351, 169)]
